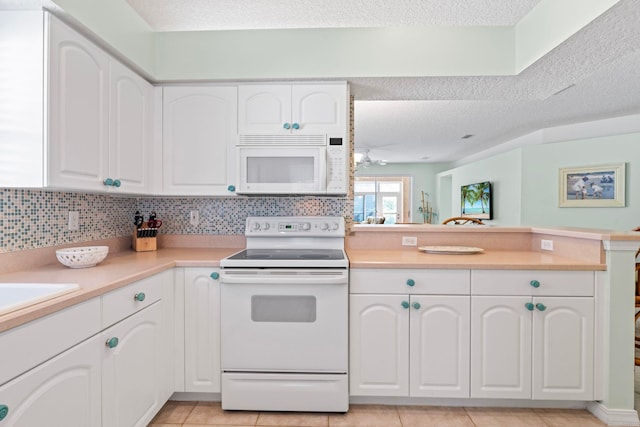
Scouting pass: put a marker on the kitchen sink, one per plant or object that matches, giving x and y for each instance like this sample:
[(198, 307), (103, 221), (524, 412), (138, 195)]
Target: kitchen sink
[(14, 296)]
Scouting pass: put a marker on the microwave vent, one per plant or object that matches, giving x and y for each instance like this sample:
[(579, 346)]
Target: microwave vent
[(283, 140)]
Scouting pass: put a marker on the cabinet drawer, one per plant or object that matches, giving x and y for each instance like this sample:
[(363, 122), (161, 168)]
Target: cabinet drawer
[(410, 281), (35, 342), (532, 282), (125, 301)]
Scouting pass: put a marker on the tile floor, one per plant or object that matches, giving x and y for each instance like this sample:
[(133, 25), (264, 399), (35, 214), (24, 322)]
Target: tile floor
[(209, 414)]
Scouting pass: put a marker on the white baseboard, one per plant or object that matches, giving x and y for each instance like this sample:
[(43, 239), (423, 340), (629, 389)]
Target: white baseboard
[(614, 417)]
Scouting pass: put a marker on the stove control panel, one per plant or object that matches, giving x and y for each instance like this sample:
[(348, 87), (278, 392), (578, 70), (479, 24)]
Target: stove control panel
[(295, 226)]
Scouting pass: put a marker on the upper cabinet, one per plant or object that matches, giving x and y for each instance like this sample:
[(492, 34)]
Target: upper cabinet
[(77, 119), (99, 118), (198, 137), (293, 109)]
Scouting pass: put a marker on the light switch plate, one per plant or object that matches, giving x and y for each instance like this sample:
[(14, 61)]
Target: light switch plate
[(194, 218), (546, 245), (409, 241), (74, 221)]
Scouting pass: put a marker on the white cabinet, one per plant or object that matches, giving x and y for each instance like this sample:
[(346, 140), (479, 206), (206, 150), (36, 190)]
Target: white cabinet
[(202, 329), (199, 135), (100, 116), (63, 391), (78, 110), (404, 343), (293, 109), (527, 344), (80, 121)]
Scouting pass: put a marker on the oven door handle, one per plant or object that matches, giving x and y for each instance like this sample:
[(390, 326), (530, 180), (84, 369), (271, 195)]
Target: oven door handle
[(284, 280)]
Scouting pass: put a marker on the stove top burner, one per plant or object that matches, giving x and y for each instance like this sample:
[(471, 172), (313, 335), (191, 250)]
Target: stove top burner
[(288, 254)]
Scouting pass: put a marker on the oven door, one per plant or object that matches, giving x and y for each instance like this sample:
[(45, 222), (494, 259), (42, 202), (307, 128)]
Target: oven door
[(284, 320), (282, 169)]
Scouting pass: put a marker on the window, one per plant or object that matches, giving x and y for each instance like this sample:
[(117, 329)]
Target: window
[(377, 197)]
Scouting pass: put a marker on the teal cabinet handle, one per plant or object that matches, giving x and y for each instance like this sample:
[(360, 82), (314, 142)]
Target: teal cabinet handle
[(529, 306), (215, 275), (416, 305), (405, 304), (296, 126), (411, 282), (140, 296), (112, 342), (4, 410), (231, 188), (286, 126), (535, 283), (108, 182), (117, 183), (540, 306)]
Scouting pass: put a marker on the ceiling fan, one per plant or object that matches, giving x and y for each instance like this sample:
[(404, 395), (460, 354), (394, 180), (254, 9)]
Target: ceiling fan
[(366, 161)]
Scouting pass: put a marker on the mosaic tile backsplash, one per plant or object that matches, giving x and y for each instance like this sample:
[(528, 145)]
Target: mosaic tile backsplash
[(32, 219)]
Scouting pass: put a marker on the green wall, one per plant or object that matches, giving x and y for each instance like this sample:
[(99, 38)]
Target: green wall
[(526, 181)]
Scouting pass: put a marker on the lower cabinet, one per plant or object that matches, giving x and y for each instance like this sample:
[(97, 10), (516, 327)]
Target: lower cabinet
[(202, 329), (409, 345), (540, 348), (62, 392), (131, 375)]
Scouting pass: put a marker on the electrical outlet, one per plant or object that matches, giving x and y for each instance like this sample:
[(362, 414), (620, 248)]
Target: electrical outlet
[(194, 218), (74, 220), (409, 241), (546, 245)]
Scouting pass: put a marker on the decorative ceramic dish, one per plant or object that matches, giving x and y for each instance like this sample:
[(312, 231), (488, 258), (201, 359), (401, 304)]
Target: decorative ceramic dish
[(451, 250), (82, 257)]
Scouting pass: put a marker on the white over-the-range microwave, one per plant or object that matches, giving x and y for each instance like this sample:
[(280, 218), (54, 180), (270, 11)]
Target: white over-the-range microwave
[(292, 164)]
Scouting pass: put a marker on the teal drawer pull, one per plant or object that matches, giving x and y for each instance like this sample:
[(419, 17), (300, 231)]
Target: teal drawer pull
[(529, 306), (411, 282), (215, 275), (416, 305), (108, 182), (296, 126), (231, 188), (112, 342), (405, 304), (4, 410), (116, 183), (286, 126), (540, 306), (140, 296), (535, 283)]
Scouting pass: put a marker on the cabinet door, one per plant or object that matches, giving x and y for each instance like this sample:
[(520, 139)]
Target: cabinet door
[(500, 347), (199, 134), (78, 116), (563, 348), (320, 109), (379, 345), (130, 370), (202, 330), (65, 391), (131, 104), (439, 346), (264, 109)]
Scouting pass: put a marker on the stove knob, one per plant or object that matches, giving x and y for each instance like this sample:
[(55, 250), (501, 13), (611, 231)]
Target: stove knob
[(306, 226), (255, 226), (265, 226), (334, 226), (324, 226)]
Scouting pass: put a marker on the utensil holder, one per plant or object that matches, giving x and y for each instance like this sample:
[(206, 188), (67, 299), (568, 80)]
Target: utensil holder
[(144, 238)]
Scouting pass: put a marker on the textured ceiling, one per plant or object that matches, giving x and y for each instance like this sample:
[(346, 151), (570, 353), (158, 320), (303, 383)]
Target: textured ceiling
[(407, 119), (190, 15)]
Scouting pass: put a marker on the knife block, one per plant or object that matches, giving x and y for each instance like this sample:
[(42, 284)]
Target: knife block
[(143, 244)]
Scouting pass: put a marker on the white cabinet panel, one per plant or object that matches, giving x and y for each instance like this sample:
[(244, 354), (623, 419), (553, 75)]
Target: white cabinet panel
[(500, 347), (63, 391), (319, 108), (199, 135), (264, 108), (78, 99), (379, 345), (563, 348), (439, 346), (130, 130), (202, 330), (131, 369)]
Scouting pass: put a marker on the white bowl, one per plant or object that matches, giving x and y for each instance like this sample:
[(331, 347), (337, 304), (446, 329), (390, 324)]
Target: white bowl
[(82, 257)]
